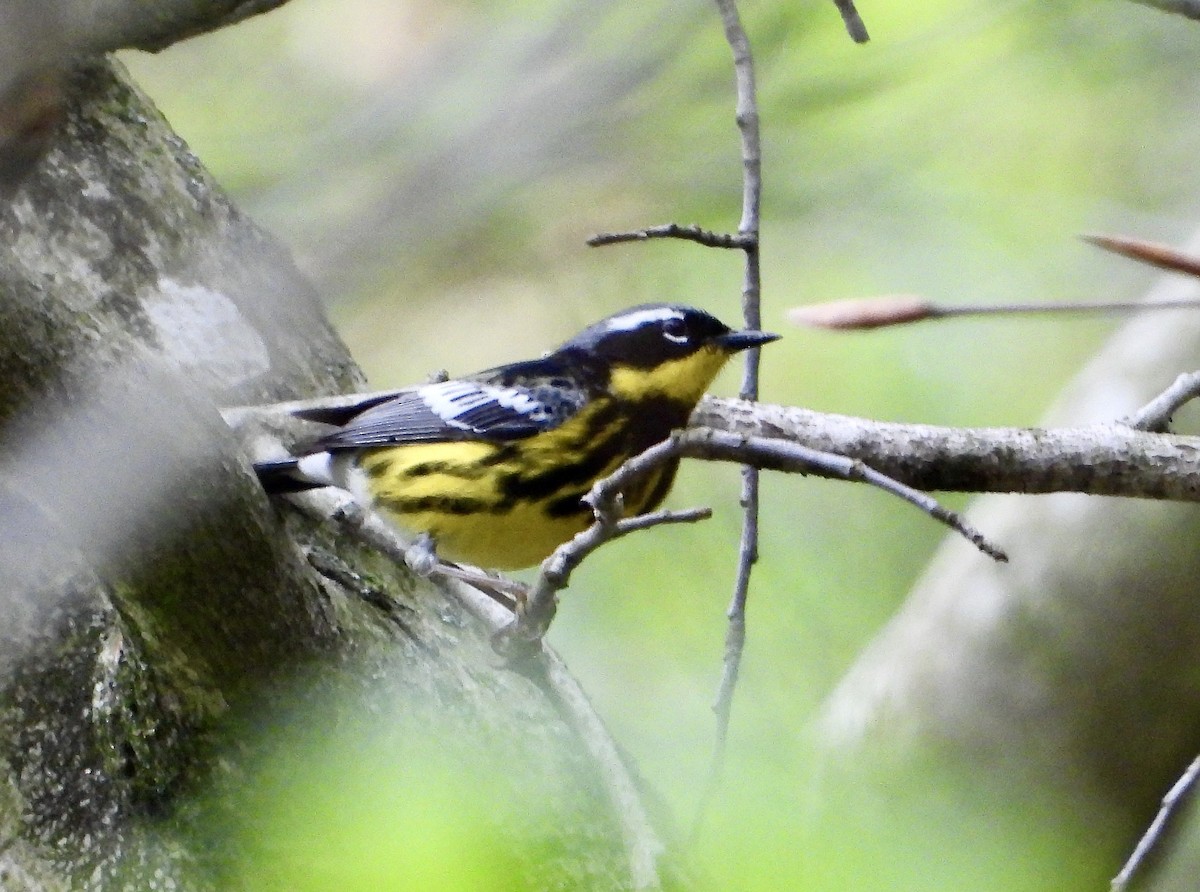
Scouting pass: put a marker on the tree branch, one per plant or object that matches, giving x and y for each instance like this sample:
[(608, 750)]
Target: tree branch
[(536, 612), (1111, 459), (1101, 459), (643, 846), (1156, 415)]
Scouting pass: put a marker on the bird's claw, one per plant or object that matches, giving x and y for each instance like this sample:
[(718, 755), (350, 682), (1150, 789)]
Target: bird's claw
[(421, 556)]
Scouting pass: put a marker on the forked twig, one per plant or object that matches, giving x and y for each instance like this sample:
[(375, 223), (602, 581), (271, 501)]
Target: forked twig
[(535, 611), (534, 615), (747, 239), (1155, 416)]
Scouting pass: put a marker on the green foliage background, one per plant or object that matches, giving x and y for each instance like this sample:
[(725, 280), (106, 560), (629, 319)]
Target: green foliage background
[(438, 169)]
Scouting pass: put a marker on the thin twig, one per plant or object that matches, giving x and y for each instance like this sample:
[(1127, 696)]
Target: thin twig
[(903, 309), (865, 313), (1155, 416), (762, 452), (748, 130), (536, 610), (535, 615), (1170, 803), (691, 233), (1151, 253), (855, 26)]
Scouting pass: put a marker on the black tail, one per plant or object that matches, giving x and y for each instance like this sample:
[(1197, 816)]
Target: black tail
[(281, 476)]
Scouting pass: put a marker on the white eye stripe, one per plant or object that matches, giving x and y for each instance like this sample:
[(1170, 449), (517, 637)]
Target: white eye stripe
[(678, 339), (630, 321)]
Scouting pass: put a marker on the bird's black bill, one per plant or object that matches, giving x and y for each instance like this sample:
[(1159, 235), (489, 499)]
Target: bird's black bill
[(741, 340)]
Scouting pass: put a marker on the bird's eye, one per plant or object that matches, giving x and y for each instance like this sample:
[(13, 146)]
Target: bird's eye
[(676, 330)]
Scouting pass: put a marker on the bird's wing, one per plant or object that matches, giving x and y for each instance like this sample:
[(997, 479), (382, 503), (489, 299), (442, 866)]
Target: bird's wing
[(490, 407)]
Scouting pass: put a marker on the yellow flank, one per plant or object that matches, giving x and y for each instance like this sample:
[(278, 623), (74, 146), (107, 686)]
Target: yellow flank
[(478, 464), (455, 491), (684, 380), (483, 502)]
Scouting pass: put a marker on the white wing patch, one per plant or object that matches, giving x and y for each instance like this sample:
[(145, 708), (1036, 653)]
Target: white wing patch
[(631, 320), (451, 400)]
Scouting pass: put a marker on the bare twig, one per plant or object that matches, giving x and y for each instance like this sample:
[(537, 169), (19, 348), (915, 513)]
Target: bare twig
[(902, 309), (691, 233), (1155, 416), (1151, 253), (535, 615), (523, 637), (748, 129), (1170, 803), (859, 314), (855, 26)]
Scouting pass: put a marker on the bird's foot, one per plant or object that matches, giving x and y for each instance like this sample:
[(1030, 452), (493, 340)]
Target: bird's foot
[(421, 556)]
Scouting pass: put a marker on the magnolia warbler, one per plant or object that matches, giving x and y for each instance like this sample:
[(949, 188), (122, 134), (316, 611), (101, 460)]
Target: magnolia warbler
[(493, 467)]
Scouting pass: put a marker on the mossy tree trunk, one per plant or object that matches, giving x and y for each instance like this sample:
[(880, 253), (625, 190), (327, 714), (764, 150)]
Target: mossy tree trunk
[(150, 593)]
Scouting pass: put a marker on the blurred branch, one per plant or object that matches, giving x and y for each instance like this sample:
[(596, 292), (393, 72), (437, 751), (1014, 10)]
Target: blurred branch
[(41, 40), (1187, 8), (866, 313), (858, 314), (1178, 794), (1150, 253), (642, 844), (855, 26), (1065, 674), (107, 25)]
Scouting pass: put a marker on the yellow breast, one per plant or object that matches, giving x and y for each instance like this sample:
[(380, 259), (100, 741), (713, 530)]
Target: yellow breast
[(506, 505)]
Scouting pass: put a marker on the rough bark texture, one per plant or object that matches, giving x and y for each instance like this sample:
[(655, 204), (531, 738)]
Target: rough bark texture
[(148, 589), (1098, 459)]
